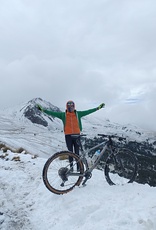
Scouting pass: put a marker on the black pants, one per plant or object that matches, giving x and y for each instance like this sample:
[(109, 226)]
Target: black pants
[(72, 146)]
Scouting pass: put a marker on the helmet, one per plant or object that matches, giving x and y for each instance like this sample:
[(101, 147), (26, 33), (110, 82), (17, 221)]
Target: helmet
[(70, 105)]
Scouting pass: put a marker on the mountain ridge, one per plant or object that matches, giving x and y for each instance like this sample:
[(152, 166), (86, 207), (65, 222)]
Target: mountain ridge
[(29, 113), (19, 132)]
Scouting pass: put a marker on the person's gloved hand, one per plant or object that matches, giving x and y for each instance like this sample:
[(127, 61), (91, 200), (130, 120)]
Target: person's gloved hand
[(101, 106), (40, 108)]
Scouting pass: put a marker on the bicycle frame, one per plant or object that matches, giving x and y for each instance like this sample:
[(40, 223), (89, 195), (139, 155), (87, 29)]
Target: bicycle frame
[(106, 146)]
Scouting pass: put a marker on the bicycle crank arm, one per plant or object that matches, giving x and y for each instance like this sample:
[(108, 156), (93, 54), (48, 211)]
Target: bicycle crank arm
[(88, 175)]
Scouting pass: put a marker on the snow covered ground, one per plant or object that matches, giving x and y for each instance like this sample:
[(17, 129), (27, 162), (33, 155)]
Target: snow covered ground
[(26, 204)]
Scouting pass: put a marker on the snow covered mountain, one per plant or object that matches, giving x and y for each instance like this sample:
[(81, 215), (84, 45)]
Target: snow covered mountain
[(27, 120), (30, 111), (26, 204), (25, 128)]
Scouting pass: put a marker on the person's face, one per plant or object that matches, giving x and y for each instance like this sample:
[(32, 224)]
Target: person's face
[(70, 106)]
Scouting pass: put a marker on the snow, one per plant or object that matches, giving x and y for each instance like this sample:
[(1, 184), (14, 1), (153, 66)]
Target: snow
[(26, 204)]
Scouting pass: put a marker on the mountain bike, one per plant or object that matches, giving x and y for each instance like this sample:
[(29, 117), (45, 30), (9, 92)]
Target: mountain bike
[(120, 166)]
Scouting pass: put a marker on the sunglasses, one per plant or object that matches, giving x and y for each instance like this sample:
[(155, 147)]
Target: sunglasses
[(70, 104)]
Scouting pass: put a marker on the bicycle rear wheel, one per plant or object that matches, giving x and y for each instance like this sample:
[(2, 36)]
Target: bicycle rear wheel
[(59, 175), (121, 167)]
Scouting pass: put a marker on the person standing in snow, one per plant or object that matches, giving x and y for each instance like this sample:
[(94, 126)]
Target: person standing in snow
[(71, 119)]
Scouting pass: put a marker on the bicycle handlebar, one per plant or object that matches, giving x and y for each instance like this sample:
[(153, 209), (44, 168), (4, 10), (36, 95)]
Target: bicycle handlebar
[(112, 136)]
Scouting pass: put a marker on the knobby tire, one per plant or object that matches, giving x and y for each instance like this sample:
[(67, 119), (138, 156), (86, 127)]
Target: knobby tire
[(121, 167), (56, 172)]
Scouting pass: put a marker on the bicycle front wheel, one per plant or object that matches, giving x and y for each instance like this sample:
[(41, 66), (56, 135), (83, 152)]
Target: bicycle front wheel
[(121, 167), (59, 175)]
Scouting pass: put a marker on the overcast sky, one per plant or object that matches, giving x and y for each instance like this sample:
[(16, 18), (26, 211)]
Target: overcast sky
[(85, 50)]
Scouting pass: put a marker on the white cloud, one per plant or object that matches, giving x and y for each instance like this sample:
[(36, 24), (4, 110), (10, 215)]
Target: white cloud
[(88, 51)]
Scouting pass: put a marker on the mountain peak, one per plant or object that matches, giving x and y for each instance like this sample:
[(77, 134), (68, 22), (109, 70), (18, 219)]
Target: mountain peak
[(31, 112)]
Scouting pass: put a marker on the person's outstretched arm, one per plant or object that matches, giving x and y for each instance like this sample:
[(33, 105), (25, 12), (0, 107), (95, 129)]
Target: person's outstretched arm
[(50, 112), (89, 111)]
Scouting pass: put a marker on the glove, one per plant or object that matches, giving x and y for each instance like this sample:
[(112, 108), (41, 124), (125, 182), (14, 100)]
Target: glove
[(101, 106), (40, 108)]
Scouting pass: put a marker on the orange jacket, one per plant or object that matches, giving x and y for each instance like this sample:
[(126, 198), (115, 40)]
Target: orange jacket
[(72, 124)]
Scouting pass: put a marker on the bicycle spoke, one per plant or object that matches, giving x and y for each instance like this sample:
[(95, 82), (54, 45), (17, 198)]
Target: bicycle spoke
[(59, 176), (121, 168)]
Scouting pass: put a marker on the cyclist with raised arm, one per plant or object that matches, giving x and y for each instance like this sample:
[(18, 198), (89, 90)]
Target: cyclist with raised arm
[(71, 119)]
